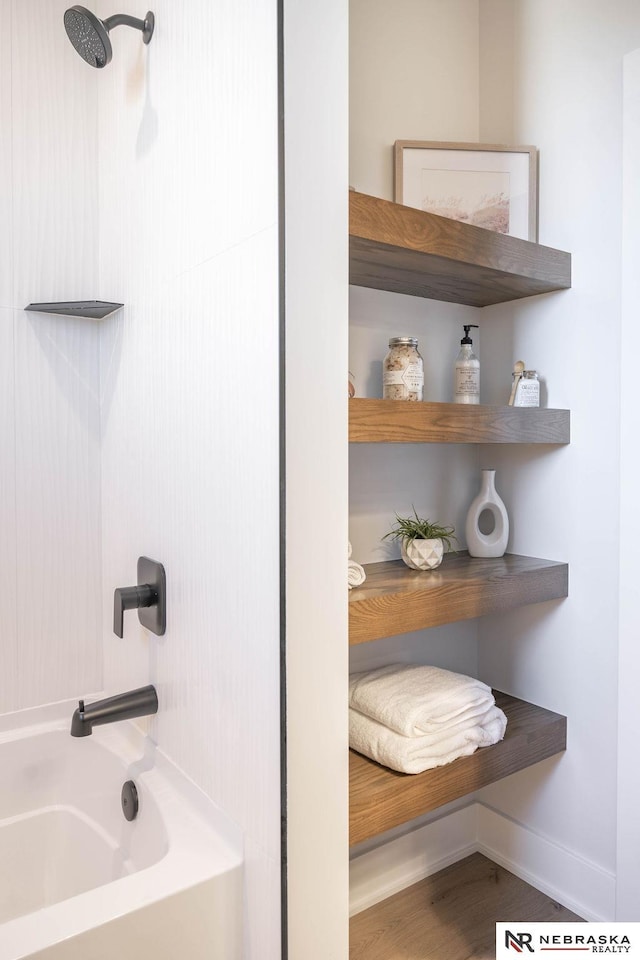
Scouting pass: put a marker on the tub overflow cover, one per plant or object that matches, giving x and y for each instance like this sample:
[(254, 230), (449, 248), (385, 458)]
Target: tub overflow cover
[(129, 798)]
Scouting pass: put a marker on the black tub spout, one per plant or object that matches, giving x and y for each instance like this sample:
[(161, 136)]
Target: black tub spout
[(124, 706)]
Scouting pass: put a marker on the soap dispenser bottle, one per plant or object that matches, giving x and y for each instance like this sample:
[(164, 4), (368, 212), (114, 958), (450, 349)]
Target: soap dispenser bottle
[(466, 374)]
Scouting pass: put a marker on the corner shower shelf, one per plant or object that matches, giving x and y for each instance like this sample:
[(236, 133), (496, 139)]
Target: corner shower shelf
[(84, 309), (398, 248), (394, 599), (381, 798), (390, 421)]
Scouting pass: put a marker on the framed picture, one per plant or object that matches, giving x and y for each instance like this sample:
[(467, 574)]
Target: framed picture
[(487, 185)]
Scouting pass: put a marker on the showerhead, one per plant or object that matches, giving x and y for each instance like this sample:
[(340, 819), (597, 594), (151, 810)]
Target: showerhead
[(90, 35)]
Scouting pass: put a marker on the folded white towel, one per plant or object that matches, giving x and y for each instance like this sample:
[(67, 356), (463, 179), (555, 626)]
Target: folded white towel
[(356, 574), (416, 754), (417, 700)]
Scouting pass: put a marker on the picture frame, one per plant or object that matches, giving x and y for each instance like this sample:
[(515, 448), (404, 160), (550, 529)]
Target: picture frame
[(488, 185)]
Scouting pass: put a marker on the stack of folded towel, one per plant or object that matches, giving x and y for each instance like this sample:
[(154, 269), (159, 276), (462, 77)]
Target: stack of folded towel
[(356, 575), (412, 718)]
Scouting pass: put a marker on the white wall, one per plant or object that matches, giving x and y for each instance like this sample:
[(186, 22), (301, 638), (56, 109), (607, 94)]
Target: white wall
[(49, 372), (410, 61), (316, 263), (628, 899), (567, 84), (189, 393)]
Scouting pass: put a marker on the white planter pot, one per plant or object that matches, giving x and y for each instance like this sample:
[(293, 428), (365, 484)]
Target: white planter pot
[(422, 554)]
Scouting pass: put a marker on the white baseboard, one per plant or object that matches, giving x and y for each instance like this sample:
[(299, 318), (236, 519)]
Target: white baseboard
[(576, 883), (380, 873)]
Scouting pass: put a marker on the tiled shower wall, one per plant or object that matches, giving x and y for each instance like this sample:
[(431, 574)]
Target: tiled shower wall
[(152, 183), (189, 399), (49, 399)]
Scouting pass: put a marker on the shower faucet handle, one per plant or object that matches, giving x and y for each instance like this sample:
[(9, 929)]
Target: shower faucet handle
[(148, 598), (130, 598)]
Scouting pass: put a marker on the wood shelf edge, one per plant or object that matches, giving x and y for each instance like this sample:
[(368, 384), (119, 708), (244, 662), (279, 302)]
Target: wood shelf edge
[(405, 250), (373, 420), (394, 599), (399, 225)]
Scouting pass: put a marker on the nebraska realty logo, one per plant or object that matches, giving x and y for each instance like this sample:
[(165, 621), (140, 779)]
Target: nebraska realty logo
[(559, 938)]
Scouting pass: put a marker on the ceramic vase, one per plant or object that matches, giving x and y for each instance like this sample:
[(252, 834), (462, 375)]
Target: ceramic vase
[(422, 554), (492, 544)]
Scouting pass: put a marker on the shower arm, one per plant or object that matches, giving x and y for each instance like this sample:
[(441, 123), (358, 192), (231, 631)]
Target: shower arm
[(123, 20)]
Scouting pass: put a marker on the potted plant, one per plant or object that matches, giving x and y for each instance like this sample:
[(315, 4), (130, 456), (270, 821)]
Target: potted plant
[(422, 542)]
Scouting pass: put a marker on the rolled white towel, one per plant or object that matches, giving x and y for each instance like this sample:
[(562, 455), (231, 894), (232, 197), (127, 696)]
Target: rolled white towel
[(414, 700), (416, 754), (356, 574)]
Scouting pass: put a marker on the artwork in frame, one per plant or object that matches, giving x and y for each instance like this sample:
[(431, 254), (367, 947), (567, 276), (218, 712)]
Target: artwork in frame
[(487, 185)]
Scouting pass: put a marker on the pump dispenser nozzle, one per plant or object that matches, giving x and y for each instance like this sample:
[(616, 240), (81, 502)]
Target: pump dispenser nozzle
[(467, 327)]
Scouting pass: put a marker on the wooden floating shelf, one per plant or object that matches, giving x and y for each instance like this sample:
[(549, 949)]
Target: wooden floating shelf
[(381, 798), (394, 599), (394, 421), (398, 248)]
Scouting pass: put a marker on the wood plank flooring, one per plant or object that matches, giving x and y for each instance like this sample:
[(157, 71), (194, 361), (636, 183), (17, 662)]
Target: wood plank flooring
[(451, 915)]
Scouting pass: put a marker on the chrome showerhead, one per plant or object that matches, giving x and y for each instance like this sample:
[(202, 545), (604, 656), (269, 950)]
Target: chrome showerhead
[(90, 35)]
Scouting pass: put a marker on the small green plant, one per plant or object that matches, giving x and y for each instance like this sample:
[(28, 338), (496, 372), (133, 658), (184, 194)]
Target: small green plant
[(415, 528)]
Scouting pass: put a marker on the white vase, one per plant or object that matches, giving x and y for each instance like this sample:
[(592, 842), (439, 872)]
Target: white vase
[(422, 554), (492, 544)]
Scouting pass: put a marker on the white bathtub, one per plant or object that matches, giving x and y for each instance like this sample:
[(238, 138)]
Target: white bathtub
[(80, 882)]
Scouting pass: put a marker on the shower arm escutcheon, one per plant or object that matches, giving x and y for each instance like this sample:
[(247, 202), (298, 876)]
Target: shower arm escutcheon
[(148, 598), (146, 26)]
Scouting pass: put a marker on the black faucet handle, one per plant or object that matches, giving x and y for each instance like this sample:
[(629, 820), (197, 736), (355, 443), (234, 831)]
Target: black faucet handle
[(130, 598), (148, 597)]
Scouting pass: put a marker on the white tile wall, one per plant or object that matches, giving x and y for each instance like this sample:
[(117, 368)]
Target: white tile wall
[(262, 905), (6, 159), (49, 418), (189, 478), (57, 506), (187, 144), (55, 143), (153, 182), (189, 396), (9, 640)]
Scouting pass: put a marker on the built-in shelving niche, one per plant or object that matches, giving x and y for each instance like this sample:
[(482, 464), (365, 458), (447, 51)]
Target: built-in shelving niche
[(403, 250)]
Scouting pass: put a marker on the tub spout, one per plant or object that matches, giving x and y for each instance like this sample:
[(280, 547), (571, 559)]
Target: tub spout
[(124, 706)]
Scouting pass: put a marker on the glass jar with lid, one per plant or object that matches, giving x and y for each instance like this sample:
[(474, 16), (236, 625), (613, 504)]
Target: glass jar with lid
[(403, 370)]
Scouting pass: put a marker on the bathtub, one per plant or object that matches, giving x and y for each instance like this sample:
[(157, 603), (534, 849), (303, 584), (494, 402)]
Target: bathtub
[(80, 882)]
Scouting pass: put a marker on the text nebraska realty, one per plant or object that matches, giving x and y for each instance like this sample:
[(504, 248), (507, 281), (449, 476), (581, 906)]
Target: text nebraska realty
[(595, 943), (601, 943)]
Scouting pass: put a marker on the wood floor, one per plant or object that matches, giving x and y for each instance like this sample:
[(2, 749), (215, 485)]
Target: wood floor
[(451, 915)]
